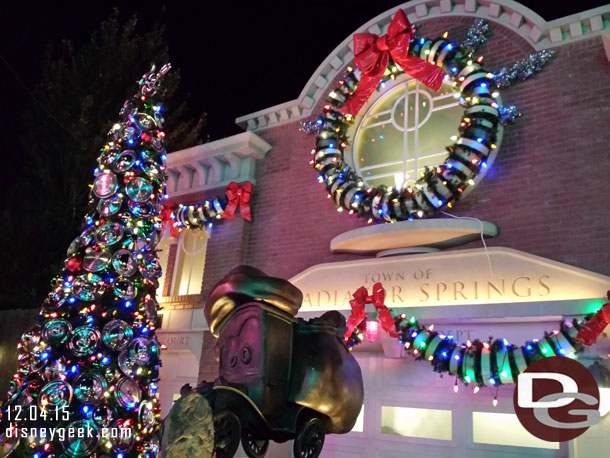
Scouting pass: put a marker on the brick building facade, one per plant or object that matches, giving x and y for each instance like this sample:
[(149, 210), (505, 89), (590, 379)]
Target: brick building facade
[(545, 192)]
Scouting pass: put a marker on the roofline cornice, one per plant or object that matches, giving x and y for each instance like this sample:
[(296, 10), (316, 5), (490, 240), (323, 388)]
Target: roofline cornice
[(215, 164)]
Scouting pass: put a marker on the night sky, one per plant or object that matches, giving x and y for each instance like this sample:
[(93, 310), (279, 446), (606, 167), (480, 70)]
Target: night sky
[(235, 57)]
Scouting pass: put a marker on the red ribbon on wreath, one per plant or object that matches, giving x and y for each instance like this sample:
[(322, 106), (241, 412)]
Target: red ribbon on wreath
[(238, 197), (589, 333), (377, 298), (372, 54), (167, 217)]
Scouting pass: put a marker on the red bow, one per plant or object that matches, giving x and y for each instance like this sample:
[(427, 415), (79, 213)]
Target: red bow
[(372, 54), (589, 333), (377, 298), (168, 218), (238, 197)]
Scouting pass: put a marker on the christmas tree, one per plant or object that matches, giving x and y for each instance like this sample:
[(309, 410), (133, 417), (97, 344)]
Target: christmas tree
[(86, 382)]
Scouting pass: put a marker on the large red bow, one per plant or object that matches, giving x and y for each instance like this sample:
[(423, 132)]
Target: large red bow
[(589, 333), (168, 218), (377, 298), (372, 54), (238, 197)]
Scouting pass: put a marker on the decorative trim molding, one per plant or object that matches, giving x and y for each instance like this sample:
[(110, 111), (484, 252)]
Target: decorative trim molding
[(541, 34), (192, 301), (429, 233), (215, 164)]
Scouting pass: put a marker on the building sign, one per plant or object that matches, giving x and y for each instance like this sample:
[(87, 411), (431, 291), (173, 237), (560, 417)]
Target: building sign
[(191, 341), (174, 340), (477, 276)]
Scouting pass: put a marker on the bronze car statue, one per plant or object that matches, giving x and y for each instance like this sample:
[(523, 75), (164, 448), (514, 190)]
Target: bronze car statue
[(280, 377)]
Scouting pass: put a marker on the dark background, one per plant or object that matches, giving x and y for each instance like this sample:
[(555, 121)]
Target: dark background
[(235, 57)]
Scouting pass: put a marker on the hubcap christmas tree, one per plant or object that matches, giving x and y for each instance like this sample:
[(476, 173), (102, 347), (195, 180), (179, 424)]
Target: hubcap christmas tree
[(92, 361)]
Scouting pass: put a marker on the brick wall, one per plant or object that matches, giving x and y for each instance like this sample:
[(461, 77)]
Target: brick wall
[(208, 367), (225, 250), (546, 190), (168, 273)]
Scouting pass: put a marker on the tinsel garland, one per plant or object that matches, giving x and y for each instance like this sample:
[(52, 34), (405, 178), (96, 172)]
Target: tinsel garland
[(523, 69), (509, 115), (310, 127), (476, 36)]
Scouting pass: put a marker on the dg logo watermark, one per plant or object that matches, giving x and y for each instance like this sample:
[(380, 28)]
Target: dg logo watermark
[(557, 399)]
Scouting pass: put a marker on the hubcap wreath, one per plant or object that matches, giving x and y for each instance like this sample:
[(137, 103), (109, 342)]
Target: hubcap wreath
[(480, 130)]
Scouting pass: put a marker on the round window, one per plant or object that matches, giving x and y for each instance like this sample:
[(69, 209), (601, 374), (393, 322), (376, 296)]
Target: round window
[(371, 157), (404, 131)]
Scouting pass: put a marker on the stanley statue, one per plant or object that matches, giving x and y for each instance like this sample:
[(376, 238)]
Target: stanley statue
[(280, 377)]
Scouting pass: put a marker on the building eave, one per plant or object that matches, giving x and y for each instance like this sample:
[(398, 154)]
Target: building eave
[(215, 164)]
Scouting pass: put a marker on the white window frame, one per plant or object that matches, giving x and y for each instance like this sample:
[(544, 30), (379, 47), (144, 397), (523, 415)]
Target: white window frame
[(350, 153), (175, 286), (165, 237)]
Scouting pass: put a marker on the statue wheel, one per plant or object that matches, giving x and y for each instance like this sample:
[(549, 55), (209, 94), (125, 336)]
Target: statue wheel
[(227, 431), (254, 448), (310, 440)]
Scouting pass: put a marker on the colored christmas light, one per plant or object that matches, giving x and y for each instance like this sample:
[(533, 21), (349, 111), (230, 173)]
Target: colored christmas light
[(93, 356), (485, 363)]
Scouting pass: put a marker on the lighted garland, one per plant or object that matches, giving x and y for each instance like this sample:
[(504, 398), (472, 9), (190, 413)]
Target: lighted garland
[(198, 216), (479, 131), (484, 363)]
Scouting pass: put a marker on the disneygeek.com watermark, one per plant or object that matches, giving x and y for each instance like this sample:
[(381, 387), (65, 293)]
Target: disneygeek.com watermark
[(29, 423), (61, 434)]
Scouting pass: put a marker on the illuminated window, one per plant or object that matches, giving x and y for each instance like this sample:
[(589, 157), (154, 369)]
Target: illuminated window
[(504, 429), (190, 262), (396, 140), (413, 422), (163, 254), (359, 426)]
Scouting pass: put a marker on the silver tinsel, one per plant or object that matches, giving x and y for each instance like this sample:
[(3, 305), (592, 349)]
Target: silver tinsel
[(523, 69), (310, 127), (508, 115), (476, 36)]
